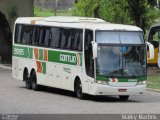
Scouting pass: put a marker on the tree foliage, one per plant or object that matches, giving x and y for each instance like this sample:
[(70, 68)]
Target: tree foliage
[(142, 12), (115, 11), (85, 7), (138, 12)]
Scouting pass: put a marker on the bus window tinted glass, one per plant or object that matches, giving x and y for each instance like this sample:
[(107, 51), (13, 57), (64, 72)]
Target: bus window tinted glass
[(25, 36), (35, 36), (44, 36), (47, 37), (63, 38), (18, 30), (77, 38), (89, 62), (55, 33)]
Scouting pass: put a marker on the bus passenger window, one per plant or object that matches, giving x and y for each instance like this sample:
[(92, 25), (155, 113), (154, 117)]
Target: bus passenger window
[(80, 41), (55, 33), (72, 39), (18, 31), (89, 62), (25, 34), (47, 37), (77, 40), (41, 37), (69, 40), (44, 36), (31, 34), (35, 36), (63, 39)]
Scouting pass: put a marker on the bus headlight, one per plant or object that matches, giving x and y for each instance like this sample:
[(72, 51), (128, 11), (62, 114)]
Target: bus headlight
[(102, 82), (141, 82)]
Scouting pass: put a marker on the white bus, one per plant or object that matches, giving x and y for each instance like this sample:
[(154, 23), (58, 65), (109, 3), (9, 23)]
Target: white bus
[(80, 54)]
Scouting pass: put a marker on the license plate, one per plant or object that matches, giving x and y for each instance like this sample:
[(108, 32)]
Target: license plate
[(122, 90)]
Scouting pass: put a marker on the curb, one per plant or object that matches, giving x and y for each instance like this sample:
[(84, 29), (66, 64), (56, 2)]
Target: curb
[(5, 67), (153, 90)]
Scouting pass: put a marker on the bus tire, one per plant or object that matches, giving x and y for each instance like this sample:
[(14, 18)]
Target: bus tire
[(27, 80), (33, 79), (124, 97), (78, 89)]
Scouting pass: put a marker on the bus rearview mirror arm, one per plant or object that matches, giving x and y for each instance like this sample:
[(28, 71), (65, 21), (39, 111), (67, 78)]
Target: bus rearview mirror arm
[(94, 49), (151, 51)]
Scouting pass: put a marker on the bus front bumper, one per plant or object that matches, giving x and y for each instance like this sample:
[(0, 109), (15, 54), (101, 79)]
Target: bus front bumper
[(99, 89)]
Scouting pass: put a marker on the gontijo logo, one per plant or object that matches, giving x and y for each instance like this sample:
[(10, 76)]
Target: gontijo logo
[(67, 58), (18, 51)]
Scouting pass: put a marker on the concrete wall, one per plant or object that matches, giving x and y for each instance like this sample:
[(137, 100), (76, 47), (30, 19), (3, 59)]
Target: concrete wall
[(9, 11), (16, 8)]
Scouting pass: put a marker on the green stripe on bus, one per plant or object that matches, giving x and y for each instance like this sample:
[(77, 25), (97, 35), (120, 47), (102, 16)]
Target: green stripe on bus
[(80, 59), (40, 54), (24, 52), (30, 53), (53, 56), (104, 78), (44, 67), (132, 79), (63, 57)]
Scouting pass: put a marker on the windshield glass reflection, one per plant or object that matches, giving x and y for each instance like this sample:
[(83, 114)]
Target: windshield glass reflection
[(121, 61)]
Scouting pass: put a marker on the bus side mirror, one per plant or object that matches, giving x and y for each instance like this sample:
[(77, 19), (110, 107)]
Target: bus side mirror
[(94, 49), (151, 51)]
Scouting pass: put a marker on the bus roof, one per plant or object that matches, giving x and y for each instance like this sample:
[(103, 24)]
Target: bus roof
[(74, 19), (76, 22), (155, 25)]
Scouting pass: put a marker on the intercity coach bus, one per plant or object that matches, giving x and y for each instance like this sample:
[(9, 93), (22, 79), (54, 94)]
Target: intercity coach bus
[(80, 54)]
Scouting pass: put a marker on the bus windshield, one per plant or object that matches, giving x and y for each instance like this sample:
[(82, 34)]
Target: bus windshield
[(121, 60), (119, 37)]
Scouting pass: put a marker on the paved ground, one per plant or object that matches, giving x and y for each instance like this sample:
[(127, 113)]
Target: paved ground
[(15, 98)]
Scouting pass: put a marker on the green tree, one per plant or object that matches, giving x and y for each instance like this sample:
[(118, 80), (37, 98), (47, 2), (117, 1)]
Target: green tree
[(115, 11), (138, 12), (143, 12), (85, 7)]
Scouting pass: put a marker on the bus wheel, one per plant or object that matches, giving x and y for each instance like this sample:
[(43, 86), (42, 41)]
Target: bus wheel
[(78, 89), (124, 97), (27, 81), (33, 79)]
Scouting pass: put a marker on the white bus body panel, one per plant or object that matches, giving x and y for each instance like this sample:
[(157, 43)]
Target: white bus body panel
[(99, 89), (55, 75)]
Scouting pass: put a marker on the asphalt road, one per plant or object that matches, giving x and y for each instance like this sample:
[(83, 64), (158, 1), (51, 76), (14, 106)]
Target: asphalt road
[(16, 99)]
